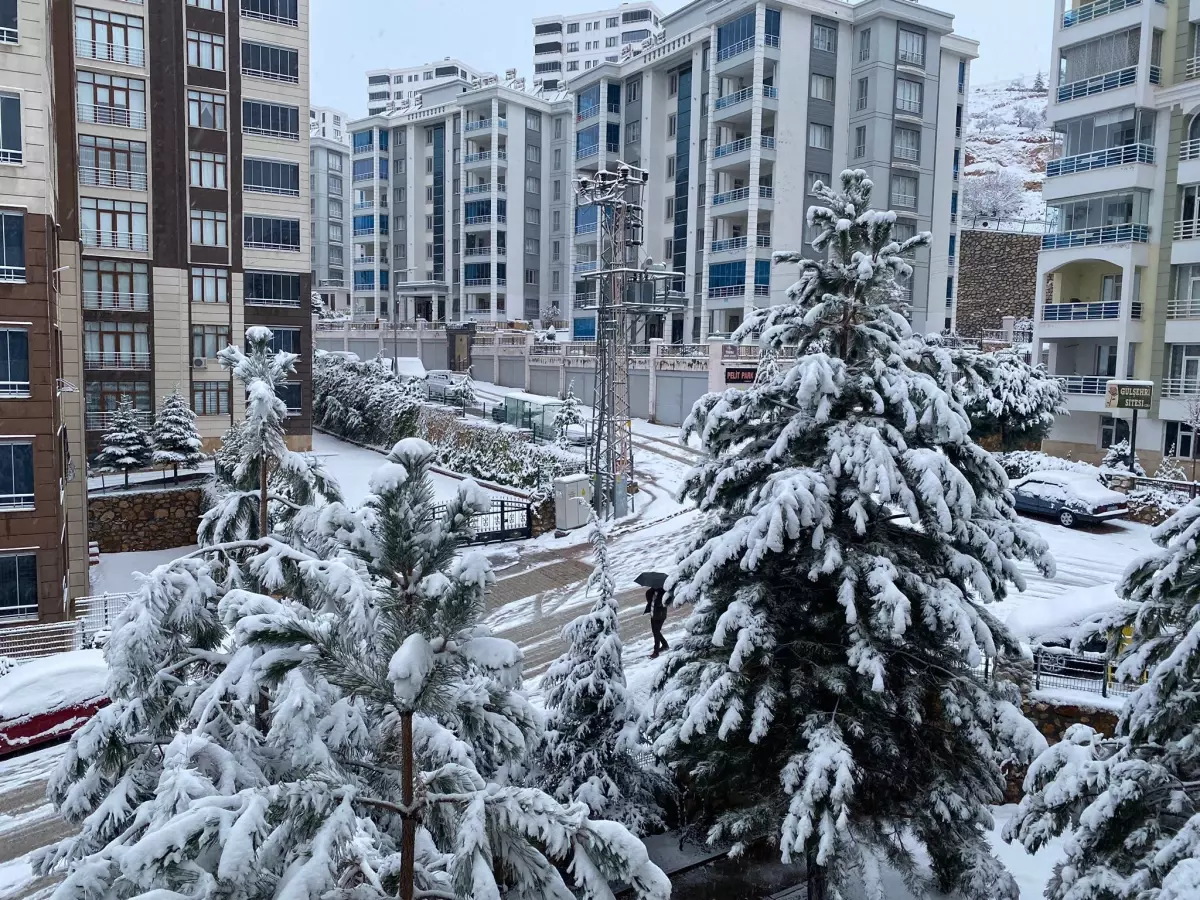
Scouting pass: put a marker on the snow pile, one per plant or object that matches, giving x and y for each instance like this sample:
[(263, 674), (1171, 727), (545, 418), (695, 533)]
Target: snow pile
[(1019, 463), (1007, 132), (1057, 621), (51, 684)]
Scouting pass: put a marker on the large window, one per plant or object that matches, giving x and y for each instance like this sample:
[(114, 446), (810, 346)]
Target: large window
[(18, 580), (911, 48), (210, 398), (210, 227), (824, 37), (206, 110), (281, 11), (106, 162), (206, 51), (111, 99), (209, 340), (270, 119), (12, 246), (16, 475), (285, 339), (114, 224), (109, 36), (820, 136), (116, 284), (210, 285), (904, 191), (8, 22), (1110, 53), (272, 288), (265, 176), (101, 399), (290, 394), (14, 362), (214, 5), (820, 87), (11, 150), (908, 96), (1179, 439), (906, 144), (266, 233), (1128, 207), (207, 169), (274, 63), (116, 345)]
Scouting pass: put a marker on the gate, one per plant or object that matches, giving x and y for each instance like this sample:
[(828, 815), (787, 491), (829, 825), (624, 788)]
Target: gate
[(507, 520)]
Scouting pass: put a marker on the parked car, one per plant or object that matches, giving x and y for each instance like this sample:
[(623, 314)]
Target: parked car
[(1071, 497)]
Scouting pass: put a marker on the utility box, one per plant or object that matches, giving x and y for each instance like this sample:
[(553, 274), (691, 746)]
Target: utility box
[(572, 501)]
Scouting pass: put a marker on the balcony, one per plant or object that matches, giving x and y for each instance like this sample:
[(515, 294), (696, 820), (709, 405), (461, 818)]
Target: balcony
[(482, 156), (1081, 312), (1181, 388), (1095, 10), (90, 176), (744, 46), (360, 149), (269, 17), (590, 113), (911, 58), (587, 228), (123, 301), (102, 421), (764, 193), (1183, 309), (587, 152), (738, 290), (280, 302), (120, 116), (484, 188), (364, 288), (734, 243), (14, 389), (1090, 237), (1187, 231), (270, 76), (365, 204), (1110, 81), (483, 251), (1189, 150), (484, 219), (364, 176), (485, 125), (115, 240), (271, 245), (365, 260), (114, 53), (588, 265), (117, 360), (481, 282), (766, 90), (1101, 159), (364, 232), (1085, 385), (763, 239)]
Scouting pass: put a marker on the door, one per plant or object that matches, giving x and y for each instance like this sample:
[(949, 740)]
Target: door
[(462, 352)]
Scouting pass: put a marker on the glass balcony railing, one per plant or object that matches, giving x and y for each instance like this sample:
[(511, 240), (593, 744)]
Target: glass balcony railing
[(1101, 159)]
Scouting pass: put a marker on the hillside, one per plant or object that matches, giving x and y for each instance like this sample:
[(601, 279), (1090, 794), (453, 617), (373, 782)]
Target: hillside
[(1008, 141)]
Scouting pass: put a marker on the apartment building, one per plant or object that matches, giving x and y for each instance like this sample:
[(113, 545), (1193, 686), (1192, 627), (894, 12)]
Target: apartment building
[(563, 46), (329, 184), (1118, 292), (449, 204), (391, 90), (43, 541), (738, 109)]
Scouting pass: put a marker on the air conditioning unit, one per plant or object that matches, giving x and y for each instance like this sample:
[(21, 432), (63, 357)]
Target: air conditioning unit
[(199, 362)]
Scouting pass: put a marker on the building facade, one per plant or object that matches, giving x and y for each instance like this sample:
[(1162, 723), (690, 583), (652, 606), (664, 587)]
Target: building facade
[(329, 206), (327, 122), (392, 90), (564, 46), (43, 540), (1118, 291)]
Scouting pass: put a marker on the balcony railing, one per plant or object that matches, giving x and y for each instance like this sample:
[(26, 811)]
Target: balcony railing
[(364, 232), (1183, 309), (116, 359), (727, 290), (102, 421), (115, 53), (128, 301), (731, 148), (111, 115), (12, 274), (481, 219), (763, 240), (271, 245), (1101, 159), (483, 251), (1095, 10), (1193, 67), (1104, 234), (767, 142), (730, 196), (1004, 336), (587, 228), (1189, 150), (115, 240), (8, 35), (1098, 84), (477, 282), (587, 152), (734, 98), (1181, 388), (1087, 385), (590, 113), (907, 201), (481, 156), (365, 204), (1156, 74), (271, 132), (364, 260), (771, 40), (277, 302), (911, 107), (268, 17), (737, 49), (359, 149), (91, 176), (590, 265), (484, 188), (735, 243), (908, 154), (911, 58), (270, 76), (485, 125), (1187, 231), (1081, 312)]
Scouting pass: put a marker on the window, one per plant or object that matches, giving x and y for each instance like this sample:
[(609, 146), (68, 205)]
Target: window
[(335, 209), (633, 92), (908, 96), (210, 228), (16, 477), (116, 284), (670, 209), (335, 232), (911, 48), (903, 231), (904, 191), (557, 189), (572, 28), (206, 51), (8, 21), (556, 221), (18, 579), (555, 250), (533, 215), (266, 233), (610, 41), (268, 177), (115, 224), (270, 119), (906, 144), (275, 63), (824, 37), (111, 100), (206, 110), (109, 36), (820, 137), (206, 169), (282, 11), (533, 184), (210, 398), (860, 141), (272, 289), (335, 184), (10, 128), (533, 246), (573, 65), (531, 276), (1112, 431), (533, 153), (633, 37), (286, 340), (864, 45), (335, 162), (214, 5), (814, 177), (109, 162), (555, 281), (533, 121), (558, 159), (820, 87), (1179, 439), (671, 166), (612, 22), (116, 345), (12, 246), (673, 84), (289, 393), (209, 340), (672, 126), (210, 285), (14, 362), (864, 88)]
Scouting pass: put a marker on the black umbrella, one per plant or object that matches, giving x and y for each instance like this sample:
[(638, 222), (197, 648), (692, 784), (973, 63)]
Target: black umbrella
[(651, 580)]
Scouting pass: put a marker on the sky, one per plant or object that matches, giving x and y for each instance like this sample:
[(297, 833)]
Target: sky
[(348, 37)]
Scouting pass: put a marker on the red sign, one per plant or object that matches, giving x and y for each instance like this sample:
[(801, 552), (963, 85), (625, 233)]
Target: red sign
[(741, 374)]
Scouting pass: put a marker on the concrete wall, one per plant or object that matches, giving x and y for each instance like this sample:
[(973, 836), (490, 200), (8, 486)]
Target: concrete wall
[(512, 372)]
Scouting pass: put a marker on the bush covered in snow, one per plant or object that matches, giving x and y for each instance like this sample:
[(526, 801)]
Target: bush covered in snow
[(1120, 459), (1154, 504), (1014, 403), (1019, 463), (364, 402)]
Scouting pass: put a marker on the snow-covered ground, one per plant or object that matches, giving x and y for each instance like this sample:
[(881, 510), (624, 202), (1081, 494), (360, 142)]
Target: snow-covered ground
[(1007, 129)]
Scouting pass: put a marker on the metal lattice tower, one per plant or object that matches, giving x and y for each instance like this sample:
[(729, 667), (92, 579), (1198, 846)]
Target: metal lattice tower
[(622, 280)]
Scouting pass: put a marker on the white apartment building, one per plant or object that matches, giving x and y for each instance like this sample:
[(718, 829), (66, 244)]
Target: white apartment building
[(327, 122), (1119, 273), (392, 90), (329, 206), (566, 45)]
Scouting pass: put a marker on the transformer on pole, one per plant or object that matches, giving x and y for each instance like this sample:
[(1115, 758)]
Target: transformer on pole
[(627, 290)]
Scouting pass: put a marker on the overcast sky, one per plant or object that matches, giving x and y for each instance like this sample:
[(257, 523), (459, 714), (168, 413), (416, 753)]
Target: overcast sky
[(351, 36)]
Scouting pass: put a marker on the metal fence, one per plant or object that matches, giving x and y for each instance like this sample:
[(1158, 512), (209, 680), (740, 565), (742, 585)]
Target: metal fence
[(1090, 672), (26, 642)]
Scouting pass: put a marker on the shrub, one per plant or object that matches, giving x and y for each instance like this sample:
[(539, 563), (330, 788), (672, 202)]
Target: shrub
[(1019, 463)]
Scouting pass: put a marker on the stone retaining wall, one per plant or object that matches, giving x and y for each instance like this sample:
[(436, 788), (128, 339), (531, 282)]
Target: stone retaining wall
[(145, 520), (997, 277)]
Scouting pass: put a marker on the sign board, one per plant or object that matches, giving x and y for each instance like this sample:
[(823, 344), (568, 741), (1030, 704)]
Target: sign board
[(1128, 394), (741, 374)]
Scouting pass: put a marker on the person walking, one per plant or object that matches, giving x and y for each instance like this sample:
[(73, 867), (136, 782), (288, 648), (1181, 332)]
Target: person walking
[(657, 608)]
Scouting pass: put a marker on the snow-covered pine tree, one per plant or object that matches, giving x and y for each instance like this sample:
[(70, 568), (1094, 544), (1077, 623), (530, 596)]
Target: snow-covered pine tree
[(567, 414), (1169, 468), (327, 720), (593, 737), (176, 440), (1132, 801), (1120, 458), (768, 366), (825, 699), (1015, 403), (126, 445), (463, 391)]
